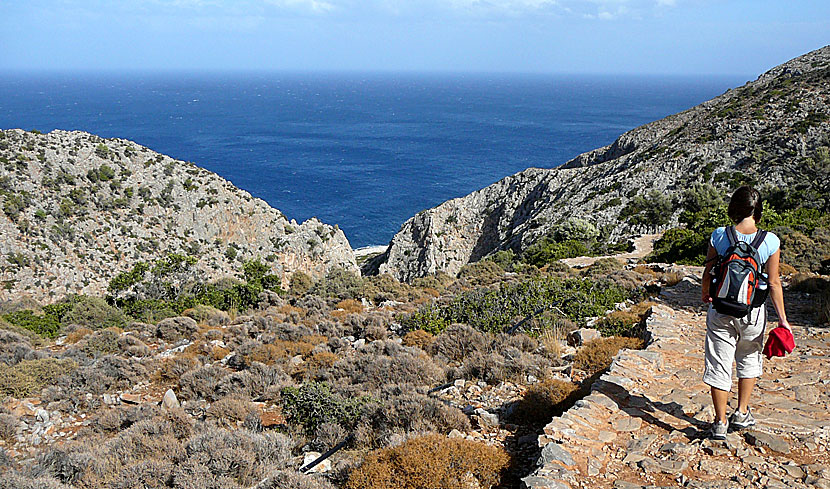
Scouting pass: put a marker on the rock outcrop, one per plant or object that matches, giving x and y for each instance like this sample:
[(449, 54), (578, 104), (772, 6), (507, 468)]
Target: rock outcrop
[(78, 209), (764, 131)]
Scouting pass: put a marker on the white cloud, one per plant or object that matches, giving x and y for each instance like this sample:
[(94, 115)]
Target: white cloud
[(317, 6)]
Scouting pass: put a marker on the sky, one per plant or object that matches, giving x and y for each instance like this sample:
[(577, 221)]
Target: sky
[(682, 37)]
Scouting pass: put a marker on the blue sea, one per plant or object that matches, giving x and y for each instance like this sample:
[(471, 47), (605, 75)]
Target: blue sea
[(364, 151)]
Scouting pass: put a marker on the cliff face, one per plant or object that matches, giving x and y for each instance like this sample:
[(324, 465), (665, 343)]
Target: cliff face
[(78, 209), (765, 130)]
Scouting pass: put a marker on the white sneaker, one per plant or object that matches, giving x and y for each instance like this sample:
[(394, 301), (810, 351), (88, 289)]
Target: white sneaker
[(718, 430), (740, 421)]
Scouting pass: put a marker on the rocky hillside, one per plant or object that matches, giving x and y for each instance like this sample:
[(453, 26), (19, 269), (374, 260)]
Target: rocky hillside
[(78, 209), (770, 131)]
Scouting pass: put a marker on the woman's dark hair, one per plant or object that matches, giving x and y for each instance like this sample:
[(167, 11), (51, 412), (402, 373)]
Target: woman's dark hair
[(745, 202)]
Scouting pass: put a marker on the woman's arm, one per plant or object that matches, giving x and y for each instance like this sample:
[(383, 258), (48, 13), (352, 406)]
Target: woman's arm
[(775, 290), (707, 279)]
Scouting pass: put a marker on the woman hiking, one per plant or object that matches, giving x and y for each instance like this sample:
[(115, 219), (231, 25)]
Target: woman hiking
[(739, 339)]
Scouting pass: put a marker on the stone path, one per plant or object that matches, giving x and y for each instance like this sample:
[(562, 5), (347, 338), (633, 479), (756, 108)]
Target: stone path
[(644, 423), (643, 245)]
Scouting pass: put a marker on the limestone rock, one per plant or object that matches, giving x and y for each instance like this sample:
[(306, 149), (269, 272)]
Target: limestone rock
[(98, 206), (170, 401), (582, 336)]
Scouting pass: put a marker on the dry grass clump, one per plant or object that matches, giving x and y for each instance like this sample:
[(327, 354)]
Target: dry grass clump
[(419, 338), (481, 273), (171, 369), (431, 462), (596, 355), (787, 270), (350, 306), (645, 270), (602, 266), (207, 315), (543, 401), (273, 353), (77, 334), (8, 427), (30, 376), (387, 362), (458, 342), (406, 413), (229, 410)]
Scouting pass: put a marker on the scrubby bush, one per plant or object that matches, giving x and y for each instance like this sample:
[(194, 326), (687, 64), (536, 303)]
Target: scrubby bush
[(596, 355), (202, 383), (458, 342), (45, 325), (205, 314), (603, 266), (300, 283), (431, 462), (543, 401), (104, 342), (548, 250), (386, 362), (94, 313), (175, 329), (340, 284), (480, 273), (406, 413), (497, 309), (617, 323), (420, 338), (30, 376), (229, 410), (315, 403), (8, 427)]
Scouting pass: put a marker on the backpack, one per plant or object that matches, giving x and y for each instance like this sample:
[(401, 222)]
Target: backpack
[(738, 280)]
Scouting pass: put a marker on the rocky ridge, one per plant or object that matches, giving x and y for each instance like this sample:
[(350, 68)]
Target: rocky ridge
[(764, 130), (78, 209)]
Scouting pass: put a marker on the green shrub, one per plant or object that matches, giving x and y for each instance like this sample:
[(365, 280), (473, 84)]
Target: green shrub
[(494, 310), (314, 403), (45, 325), (300, 283), (340, 284), (30, 376), (428, 318), (94, 313), (655, 209), (547, 250)]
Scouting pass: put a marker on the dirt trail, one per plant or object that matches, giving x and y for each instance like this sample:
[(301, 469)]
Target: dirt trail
[(643, 245), (645, 421)]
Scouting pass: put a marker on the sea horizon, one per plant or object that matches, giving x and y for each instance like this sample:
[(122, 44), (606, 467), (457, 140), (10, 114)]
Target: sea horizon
[(363, 150)]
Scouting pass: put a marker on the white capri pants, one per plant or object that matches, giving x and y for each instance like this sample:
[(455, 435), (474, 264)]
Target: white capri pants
[(731, 339)]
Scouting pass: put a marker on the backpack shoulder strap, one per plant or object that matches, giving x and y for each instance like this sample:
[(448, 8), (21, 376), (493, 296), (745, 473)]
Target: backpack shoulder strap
[(731, 236), (759, 239)]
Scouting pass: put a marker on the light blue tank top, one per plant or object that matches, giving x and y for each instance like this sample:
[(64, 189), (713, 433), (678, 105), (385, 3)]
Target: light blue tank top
[(720, 242)]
